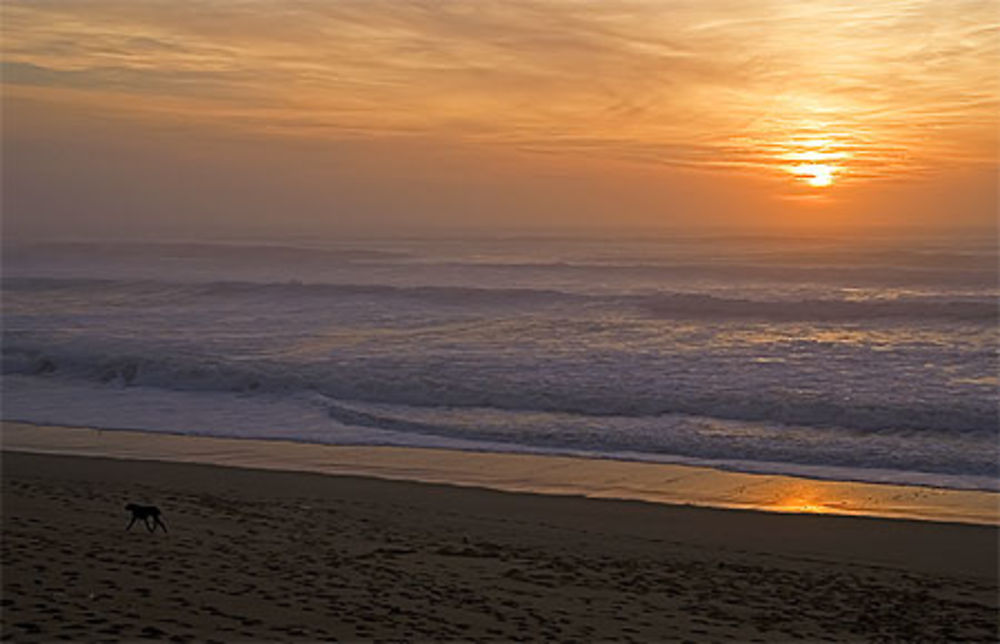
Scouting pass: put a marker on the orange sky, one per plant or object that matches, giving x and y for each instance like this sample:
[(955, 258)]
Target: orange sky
[(173, 117)]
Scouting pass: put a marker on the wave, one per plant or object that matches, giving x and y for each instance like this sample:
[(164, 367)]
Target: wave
[(196, 251), (927, 460), (698, 253), (682, 262), (903, 309), (679, 436), (663, 305), (961, 273), (292, 288), (426, 384)]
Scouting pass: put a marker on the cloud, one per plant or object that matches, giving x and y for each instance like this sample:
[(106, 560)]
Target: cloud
[(898, 86)]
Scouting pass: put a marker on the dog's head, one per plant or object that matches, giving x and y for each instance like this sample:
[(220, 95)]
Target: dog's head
[(131, 507)]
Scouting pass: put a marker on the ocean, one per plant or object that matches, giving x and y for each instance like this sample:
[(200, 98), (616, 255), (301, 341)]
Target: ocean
[(846, 358)]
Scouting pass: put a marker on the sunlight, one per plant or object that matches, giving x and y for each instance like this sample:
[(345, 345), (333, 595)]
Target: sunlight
[(817, 174), (800, 505), (802, 499), (815, 159)]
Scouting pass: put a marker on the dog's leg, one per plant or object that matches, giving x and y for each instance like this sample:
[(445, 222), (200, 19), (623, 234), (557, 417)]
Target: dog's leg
[(158, 522), (129, 526), (149, 527)]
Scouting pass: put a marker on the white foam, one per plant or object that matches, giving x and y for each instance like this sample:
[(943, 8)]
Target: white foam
[(304, 418)]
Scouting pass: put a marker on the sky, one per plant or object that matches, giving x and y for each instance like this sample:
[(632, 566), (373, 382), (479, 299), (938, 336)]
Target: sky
[(169, 117)]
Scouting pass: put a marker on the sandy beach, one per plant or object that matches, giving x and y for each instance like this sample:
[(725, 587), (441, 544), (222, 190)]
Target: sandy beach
[(456, 321), (292, 556)]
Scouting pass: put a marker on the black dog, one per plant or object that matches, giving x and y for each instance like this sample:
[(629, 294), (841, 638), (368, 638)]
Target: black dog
[(145, 513)]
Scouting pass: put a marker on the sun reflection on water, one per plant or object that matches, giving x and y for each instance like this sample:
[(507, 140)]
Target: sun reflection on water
[(801, 505), (802, 496)]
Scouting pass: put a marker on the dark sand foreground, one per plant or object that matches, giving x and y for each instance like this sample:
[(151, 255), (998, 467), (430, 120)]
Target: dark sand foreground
[(265, 555)]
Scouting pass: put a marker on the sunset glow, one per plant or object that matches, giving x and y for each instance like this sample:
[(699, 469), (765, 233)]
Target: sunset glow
[(764, 100)]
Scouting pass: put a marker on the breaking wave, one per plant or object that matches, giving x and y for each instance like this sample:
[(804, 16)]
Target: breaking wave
[(382, 381)]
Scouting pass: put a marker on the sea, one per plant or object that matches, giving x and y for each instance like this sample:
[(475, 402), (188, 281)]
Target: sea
[(861, 358)]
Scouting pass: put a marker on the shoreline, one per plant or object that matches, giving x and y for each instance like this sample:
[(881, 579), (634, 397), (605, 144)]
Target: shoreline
[(666, 484)]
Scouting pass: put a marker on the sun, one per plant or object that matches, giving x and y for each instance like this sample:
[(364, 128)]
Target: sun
[(817, 175), (816, 162)]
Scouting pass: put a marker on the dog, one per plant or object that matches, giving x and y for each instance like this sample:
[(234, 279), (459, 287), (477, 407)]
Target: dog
[(145, 513)]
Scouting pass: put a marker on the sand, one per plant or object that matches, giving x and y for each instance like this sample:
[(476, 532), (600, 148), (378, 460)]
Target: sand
[(291, 556)]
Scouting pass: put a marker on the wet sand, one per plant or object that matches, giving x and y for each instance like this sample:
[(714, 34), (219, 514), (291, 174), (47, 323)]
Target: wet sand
[(596, 478), (294, 556)]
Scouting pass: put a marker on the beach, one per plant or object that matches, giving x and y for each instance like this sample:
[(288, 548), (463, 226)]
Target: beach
[(256, 555), (420, 322)]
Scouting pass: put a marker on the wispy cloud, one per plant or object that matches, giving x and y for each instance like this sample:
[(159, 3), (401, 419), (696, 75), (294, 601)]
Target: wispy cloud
[(883, 88)]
